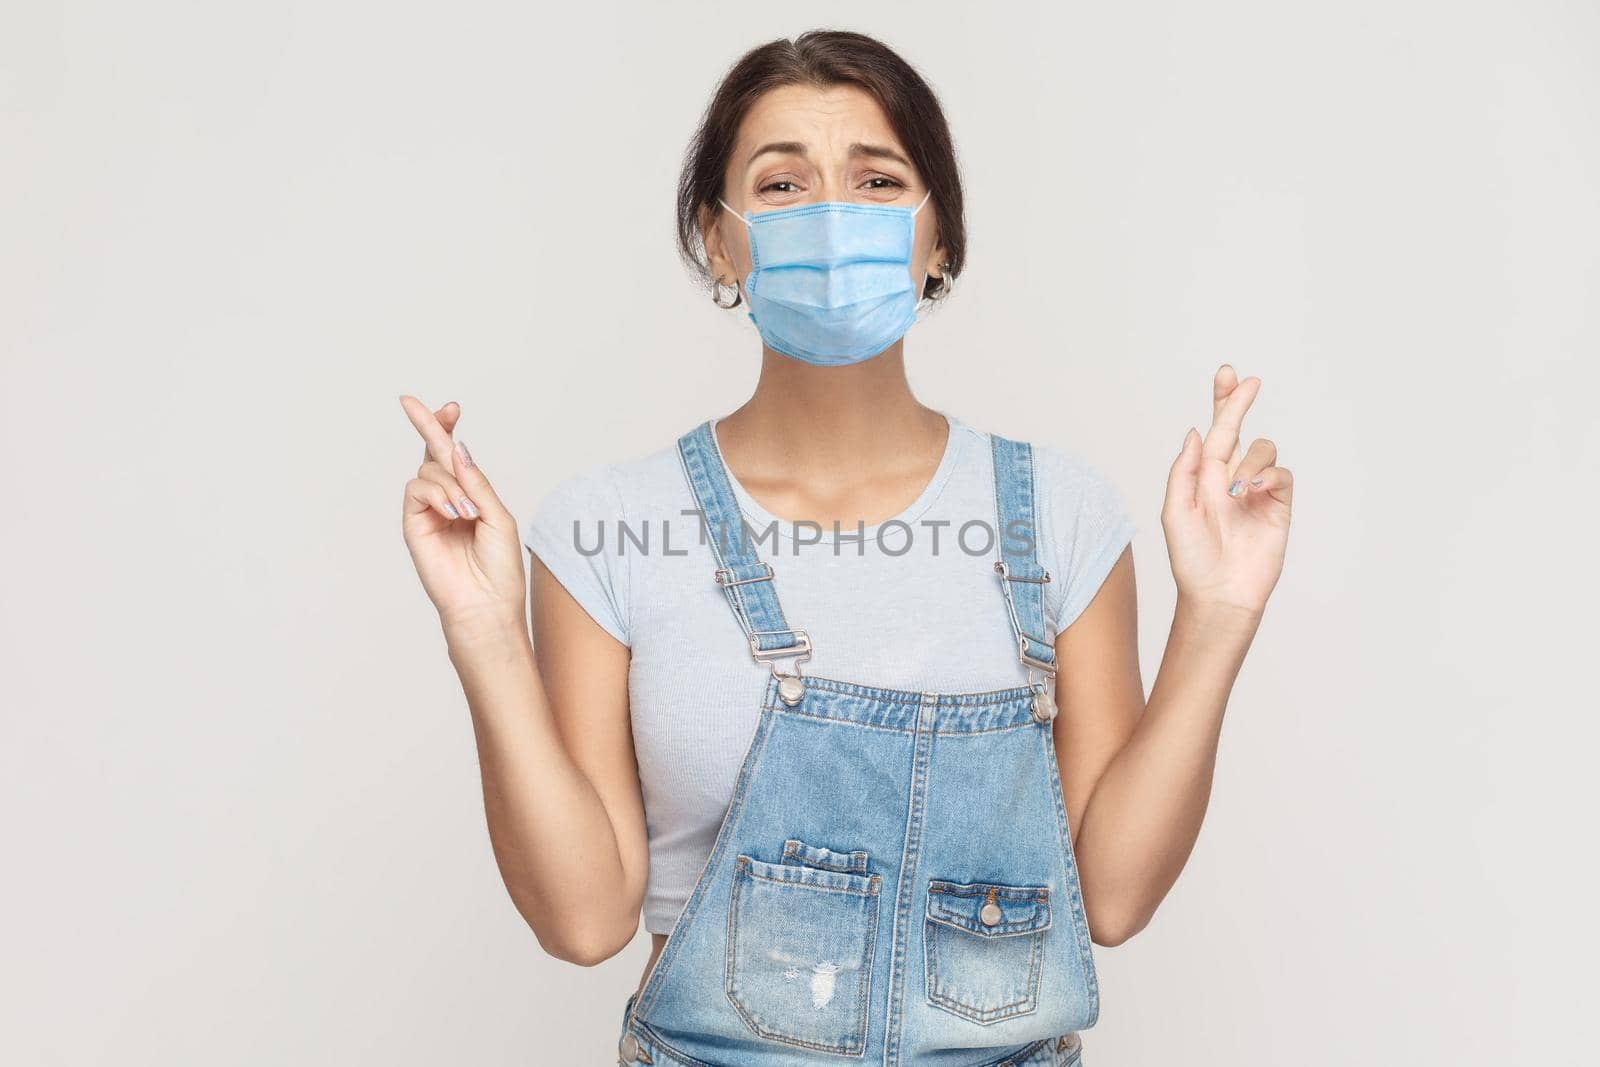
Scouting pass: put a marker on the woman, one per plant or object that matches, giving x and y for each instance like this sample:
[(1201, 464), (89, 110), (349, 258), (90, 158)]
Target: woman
[(844, 814)]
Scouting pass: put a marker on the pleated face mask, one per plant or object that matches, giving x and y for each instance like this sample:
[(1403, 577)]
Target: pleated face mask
[(830, 284)]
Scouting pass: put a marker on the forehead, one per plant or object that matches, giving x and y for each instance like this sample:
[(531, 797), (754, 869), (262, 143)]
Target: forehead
[(827, 118)]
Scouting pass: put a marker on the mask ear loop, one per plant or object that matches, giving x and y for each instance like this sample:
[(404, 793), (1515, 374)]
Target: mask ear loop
[(734, 213), (923, 303), (741, 218)]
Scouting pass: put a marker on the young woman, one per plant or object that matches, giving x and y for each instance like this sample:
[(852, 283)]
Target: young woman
[(822, 686)]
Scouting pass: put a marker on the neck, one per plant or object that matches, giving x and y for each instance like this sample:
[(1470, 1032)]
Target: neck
[(806, 418)]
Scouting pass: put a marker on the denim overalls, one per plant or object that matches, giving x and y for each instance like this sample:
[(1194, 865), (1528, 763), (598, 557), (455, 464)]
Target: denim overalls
[(893, 881)]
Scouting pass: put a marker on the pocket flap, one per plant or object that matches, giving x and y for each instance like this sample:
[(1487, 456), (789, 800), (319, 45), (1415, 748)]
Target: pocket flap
[(827, 859), (1017, 908)]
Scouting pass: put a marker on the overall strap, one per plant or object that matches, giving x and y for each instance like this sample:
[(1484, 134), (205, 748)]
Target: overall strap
[(1022, 578), (746, 580)]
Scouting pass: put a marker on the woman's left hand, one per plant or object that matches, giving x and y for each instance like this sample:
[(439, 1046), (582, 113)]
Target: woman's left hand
[(1227, 548)]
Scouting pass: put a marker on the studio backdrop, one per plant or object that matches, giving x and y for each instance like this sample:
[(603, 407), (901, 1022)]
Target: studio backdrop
[(243, 821)]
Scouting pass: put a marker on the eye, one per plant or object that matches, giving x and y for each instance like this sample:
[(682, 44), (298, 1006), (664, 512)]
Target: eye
[(770, 186), (892, 183)]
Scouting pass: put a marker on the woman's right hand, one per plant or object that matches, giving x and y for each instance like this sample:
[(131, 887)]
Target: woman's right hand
[(463, 541)]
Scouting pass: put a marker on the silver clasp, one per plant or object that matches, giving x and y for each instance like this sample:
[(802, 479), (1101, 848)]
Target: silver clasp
[(725, 576), (1004, 571), (1044, 705), (1031, 661), (791, 687), (761, 655)]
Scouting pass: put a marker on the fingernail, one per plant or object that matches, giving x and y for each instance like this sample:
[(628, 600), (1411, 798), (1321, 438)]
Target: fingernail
[(1233, 490), (1257, 481), (469, 508), (466, 457), (450, 510)]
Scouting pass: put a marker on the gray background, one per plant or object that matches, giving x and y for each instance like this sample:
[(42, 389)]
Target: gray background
[(241, 804)]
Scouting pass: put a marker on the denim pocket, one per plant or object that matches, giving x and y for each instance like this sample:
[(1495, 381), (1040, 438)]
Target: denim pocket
[(800, 947), (983, 948)]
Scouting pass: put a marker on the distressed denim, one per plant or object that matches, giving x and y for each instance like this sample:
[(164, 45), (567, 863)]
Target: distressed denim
[(893, 881)]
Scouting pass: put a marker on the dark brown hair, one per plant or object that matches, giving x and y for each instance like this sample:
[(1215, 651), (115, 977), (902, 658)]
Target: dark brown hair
[(824, 58)]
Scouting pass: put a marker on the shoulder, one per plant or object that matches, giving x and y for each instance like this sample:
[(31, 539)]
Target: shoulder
[(1084, 524), (1064, 476), (578, 522), (611, 489), (1068, 477)]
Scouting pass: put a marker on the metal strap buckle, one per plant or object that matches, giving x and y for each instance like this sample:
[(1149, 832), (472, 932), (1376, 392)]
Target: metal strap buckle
[(1003, 571), (763, 654), (1031, 661), (791, 687), (725, 578), (1044, 705)]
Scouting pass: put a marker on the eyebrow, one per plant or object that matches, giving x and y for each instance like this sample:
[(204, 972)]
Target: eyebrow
[(797, 148)]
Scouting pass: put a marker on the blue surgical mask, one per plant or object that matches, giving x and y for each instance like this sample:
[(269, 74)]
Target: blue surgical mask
[(830, 283)]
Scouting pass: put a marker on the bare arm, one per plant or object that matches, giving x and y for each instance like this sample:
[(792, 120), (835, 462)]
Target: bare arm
[(1137, 774), (555, 747), (560, 783)]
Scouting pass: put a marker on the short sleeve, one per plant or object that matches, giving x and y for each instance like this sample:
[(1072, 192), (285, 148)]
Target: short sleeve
[(573, 532), (1085, 525)]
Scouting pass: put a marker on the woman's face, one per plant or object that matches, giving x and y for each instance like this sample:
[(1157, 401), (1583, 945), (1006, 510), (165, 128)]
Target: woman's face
[(804, 145)]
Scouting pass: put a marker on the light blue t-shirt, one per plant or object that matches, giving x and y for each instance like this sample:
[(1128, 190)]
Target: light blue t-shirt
[(910, 603)]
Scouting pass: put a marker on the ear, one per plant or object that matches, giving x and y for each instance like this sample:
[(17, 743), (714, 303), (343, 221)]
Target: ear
[(718, 258)]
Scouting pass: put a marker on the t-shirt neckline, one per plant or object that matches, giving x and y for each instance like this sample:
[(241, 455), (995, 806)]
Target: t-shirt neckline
[(761, 519)]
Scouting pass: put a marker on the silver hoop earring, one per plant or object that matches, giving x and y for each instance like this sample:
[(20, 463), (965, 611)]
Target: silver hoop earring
[(947, 282), (716, 295)]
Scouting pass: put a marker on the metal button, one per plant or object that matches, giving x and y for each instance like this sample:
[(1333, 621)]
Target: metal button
[(791, 690), (629, 1048), (990, 913)]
